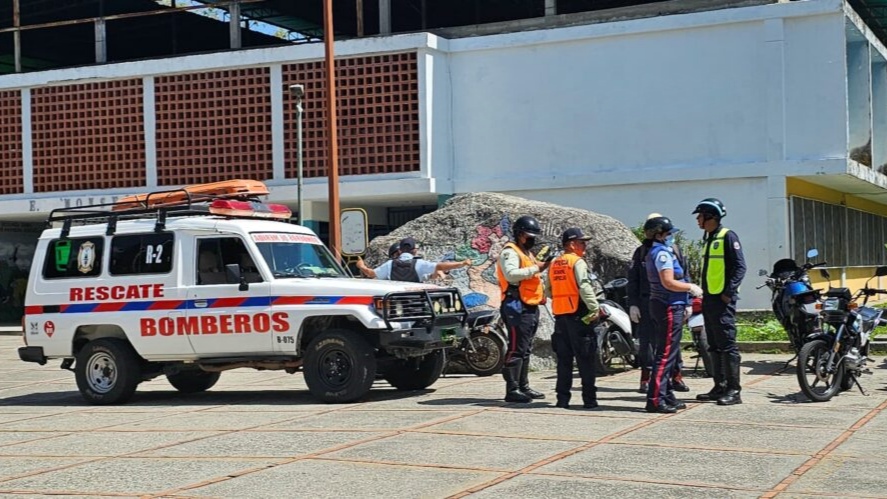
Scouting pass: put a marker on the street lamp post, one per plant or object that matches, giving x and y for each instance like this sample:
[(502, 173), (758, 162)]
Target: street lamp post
[(298, 91)]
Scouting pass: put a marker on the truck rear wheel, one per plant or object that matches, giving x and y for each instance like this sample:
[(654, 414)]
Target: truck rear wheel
[(340, 366), (413, 374), (193, 381), (107, 372)]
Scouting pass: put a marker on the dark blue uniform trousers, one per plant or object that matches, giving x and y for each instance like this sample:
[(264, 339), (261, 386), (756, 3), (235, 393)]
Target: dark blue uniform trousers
[(669, 327), (574, 339)]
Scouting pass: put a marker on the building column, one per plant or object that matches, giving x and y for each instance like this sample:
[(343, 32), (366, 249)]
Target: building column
[(384, 17), (278, 137), (550, 8), (234, 24), (27, 144), (149, 118)]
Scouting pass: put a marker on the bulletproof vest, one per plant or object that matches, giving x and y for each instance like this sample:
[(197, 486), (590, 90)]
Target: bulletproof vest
[(659, 292), (404, 270)]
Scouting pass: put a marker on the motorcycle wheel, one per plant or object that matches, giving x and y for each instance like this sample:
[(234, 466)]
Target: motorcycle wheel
[(817, 384), (700, 342), (488, 355), (847, 382), (603, 357)]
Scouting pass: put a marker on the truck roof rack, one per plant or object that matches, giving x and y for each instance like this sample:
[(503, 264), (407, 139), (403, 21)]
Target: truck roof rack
[(232, 199)]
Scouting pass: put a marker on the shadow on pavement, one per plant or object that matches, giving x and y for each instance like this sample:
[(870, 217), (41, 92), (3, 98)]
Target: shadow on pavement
[(229, 397), (767, 367)]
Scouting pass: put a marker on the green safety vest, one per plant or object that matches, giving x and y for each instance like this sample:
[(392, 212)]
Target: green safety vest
[(715, 267)]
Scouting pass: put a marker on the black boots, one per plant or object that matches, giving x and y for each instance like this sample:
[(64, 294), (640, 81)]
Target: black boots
[(511, 374), (525, 382), (645, 380), (733, 388), (720, 378)]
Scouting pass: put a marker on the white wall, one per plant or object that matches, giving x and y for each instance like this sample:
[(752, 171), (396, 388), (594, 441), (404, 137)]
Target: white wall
[(720, 95), (747, 214)]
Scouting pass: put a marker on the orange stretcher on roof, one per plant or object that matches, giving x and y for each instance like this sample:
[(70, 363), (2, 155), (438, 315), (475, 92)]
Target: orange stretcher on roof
[(228, 188)]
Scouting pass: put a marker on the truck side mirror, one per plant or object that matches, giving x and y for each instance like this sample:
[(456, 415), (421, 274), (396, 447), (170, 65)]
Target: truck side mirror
[(233, 275), (881, 271), (812, 253)]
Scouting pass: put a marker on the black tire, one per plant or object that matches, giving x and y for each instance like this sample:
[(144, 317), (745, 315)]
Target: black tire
[(108, 371), (413, 374), (700, 342), (847, 381), (193, 381), (811, 361), (603, 357), (340, 366), (489, 355)]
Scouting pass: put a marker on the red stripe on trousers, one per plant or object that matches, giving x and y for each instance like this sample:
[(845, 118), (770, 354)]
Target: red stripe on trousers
[(660, 373), (512, 343)]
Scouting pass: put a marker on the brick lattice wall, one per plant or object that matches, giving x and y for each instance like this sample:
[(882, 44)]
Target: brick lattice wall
[(11, 169), (88, 136), (378, 115), (213, 126)]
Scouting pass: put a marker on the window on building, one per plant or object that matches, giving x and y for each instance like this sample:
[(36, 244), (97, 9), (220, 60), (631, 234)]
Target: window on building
[(141, 254), (844, 237), (78, 257)]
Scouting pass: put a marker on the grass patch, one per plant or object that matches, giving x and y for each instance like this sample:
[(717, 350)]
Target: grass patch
[(759, 326)]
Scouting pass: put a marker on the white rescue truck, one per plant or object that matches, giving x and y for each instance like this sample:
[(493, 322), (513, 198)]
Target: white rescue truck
[(191, 282)]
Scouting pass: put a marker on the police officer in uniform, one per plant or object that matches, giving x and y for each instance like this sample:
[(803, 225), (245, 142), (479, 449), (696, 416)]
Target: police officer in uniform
[(520, 281), (574, 305), (723, 268), (639, 312), (668, 299)]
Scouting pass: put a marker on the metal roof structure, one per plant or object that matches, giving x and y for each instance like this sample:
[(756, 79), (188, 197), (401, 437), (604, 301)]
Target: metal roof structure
[(874, 13)]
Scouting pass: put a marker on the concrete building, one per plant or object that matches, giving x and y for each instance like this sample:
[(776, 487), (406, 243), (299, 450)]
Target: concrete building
[(777, 108)]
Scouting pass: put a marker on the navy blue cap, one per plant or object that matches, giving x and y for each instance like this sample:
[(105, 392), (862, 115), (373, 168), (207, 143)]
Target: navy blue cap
[(573, 234)]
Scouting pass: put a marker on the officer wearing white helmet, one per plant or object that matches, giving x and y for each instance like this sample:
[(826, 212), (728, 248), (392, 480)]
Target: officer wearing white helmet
[(723, 268)]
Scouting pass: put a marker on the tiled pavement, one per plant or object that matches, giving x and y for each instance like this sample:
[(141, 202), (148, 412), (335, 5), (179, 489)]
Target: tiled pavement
[(259, 434)]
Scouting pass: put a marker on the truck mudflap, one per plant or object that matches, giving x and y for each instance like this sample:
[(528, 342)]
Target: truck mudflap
[(426, 319), (32, 354)]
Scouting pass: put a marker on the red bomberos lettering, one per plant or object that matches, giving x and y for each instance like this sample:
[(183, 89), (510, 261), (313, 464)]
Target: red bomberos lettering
[(215, 324), (117, 293)]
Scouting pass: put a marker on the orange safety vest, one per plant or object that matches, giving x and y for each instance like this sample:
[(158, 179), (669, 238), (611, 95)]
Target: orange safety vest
[(564, 289), (531, 290)]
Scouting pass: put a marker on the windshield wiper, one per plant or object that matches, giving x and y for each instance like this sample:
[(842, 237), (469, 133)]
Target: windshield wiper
[(289, 274)]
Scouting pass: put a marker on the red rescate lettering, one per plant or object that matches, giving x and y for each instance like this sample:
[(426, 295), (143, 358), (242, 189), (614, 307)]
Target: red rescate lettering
[(101, 293), (118, 292), (89, 294), (158, 290), (148, 327), (132, 293), (76, 294)]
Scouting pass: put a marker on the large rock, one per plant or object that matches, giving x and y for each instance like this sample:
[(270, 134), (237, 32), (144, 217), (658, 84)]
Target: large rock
[(478, 225)]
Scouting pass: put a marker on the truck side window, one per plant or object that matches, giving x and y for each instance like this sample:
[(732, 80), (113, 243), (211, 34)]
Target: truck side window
[(141, 254), (76, 257), (213, 254)]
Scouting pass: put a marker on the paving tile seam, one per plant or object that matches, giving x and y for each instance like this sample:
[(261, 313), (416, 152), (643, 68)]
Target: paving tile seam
[(823, 453), (328, 450), (498, 435), (450, 467), (51, 492), (607, 439), (552, 411), (554, 458), (51, 470), (615, 478), (660, 445)]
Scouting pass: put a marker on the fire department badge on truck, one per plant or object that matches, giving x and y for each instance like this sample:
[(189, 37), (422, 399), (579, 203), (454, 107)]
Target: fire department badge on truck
[(86, 257)]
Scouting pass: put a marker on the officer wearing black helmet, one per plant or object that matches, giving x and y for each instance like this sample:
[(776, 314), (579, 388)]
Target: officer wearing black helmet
[(668, 299), (723, 268), (520, 281)]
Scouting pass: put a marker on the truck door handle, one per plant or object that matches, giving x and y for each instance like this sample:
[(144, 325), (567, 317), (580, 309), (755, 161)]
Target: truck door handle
[(200, 303)]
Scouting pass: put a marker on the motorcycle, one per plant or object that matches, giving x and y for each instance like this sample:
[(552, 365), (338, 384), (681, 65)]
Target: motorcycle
[(615, 338), (696, 323), (833, 359), (483, 350), (793, 299)]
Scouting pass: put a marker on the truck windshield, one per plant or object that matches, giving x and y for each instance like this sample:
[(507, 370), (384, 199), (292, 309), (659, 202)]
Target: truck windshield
[(298, 259)]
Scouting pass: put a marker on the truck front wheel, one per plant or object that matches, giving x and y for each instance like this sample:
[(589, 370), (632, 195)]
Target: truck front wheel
[(340, 366)]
